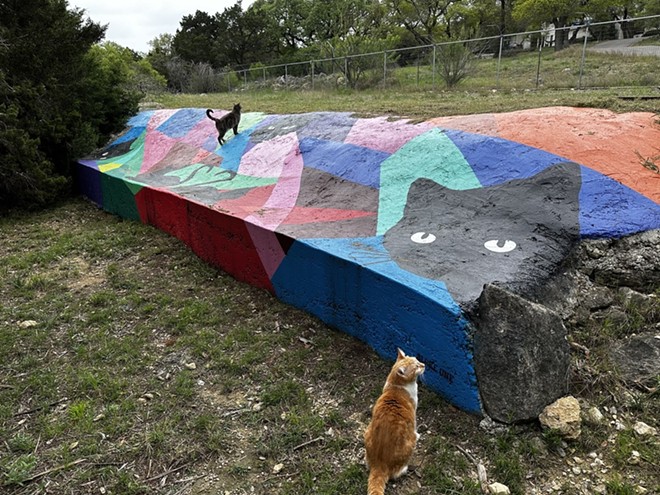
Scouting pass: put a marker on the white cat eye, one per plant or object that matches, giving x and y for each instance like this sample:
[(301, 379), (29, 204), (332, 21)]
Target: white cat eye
[(422, 238), (495, 247)]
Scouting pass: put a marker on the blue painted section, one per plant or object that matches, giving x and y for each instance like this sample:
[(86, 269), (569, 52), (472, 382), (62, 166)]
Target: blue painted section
[(350, 162), (88, 181), (610, 209), (384, 306), (495, 160), (182, 122), (133, 133), (233, 150), (141, 119)]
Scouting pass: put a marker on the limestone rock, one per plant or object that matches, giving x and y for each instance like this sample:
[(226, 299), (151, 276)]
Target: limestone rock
[(644, 430), (629, 262), (563, 416), (593, 416), (521, 355), (498, 489), (637, 358)]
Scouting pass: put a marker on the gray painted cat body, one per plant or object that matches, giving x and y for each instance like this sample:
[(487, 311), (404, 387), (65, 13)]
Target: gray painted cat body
[(515, 233)]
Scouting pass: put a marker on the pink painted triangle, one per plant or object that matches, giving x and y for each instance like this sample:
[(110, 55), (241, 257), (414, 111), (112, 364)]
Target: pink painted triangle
[(302, 215)]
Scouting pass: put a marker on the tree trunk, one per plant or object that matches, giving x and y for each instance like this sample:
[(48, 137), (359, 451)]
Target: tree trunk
[(560, 34), (502, 16)]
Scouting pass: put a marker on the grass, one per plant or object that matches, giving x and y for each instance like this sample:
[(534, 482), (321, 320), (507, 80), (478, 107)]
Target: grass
[(130, 366), (649, 41), (616, 82), (415, 103)]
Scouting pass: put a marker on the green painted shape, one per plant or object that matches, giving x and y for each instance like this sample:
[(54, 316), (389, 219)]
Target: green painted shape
[(250, 119), (211, 176), (131, 162), (118, 197), (431, 155), (134, 187)]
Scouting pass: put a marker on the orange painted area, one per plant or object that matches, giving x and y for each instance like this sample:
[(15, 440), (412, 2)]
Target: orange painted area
[(613, 144)]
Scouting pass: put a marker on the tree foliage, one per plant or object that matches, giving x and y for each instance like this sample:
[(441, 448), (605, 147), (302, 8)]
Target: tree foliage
[(59, 99)]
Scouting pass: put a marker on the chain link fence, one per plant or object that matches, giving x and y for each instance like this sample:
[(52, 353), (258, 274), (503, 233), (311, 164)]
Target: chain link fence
[(527, 60)]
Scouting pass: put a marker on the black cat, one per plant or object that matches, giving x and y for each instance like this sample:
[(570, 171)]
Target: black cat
[(226, 122), (514, 233)]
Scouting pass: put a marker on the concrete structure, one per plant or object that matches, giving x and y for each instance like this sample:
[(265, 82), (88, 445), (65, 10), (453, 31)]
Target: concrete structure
[(384, 229)]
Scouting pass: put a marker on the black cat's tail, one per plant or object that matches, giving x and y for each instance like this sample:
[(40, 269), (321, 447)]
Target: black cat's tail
[(208, 114)]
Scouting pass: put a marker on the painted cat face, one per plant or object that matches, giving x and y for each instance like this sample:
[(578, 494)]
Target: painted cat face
[(515, 233)]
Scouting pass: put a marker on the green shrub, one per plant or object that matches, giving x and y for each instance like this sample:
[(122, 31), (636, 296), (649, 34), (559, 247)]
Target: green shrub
[(60, 97)]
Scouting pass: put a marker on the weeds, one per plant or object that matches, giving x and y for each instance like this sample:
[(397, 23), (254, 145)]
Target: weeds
[(650, 163)]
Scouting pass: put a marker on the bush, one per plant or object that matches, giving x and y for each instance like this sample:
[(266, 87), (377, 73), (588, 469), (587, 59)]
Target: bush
[(60, 97), (455, 61)]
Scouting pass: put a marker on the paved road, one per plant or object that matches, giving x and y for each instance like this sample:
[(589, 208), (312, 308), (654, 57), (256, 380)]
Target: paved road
[(626, 47)]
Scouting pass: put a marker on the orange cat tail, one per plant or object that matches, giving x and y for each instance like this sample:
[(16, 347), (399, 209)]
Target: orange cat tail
[(377, 481)]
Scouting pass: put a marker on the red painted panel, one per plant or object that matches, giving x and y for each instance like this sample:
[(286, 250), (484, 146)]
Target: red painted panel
[(216, 237)]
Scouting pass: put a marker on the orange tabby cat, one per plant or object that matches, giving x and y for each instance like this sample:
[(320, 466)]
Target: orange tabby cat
[(392, 434)]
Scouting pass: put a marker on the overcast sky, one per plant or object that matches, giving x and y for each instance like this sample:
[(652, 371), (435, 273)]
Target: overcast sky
[(133, 23)]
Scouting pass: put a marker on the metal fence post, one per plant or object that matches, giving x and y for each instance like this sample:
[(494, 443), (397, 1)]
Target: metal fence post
[(245, 78), (384, 68), (499, 60), (312, 63), (286, 74), (434, 47), (538, 64), (584, 51)]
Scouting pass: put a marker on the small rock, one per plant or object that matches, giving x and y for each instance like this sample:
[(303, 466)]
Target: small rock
[(257, 407), (593, 416), (27, 324), (191, 366), (148, 396), (98, 417), (634, 458), (498, 489), (644, 430), (641, 490), (563, 415), (488, 425), (600, 488), (277, 468)]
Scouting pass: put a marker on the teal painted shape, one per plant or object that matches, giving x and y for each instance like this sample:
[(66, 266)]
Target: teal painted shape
[(218, 177), (431, 155), (129, 162)]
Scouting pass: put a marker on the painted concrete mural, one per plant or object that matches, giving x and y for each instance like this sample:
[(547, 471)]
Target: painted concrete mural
[(385, 229)]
